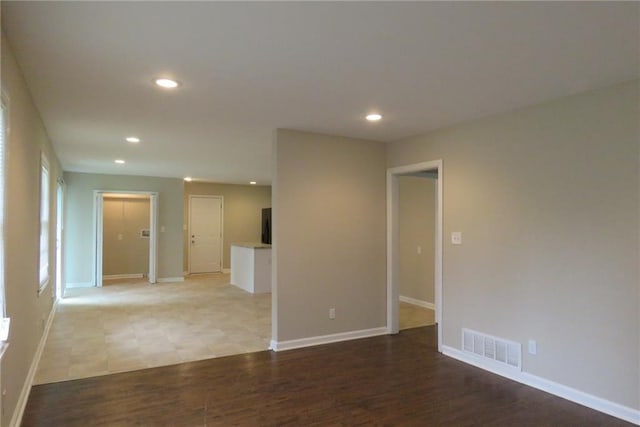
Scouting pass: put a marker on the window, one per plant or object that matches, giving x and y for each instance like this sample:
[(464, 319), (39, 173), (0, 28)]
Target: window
[(44, 221), (3, 138)]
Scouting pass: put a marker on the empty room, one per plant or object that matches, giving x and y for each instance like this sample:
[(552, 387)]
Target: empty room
[(320, 213)]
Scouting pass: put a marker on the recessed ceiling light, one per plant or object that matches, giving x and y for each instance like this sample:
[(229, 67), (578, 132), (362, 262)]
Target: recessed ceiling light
[(373, 117), (166, 83), (133, 139), (119, 161), (253, 183), (188, 178)]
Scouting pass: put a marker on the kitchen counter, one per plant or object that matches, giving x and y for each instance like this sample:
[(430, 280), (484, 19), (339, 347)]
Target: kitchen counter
[(253, 245), (251, 267)]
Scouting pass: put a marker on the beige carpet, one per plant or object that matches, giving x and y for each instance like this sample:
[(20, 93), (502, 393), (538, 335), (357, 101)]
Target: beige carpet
[(128, 325)]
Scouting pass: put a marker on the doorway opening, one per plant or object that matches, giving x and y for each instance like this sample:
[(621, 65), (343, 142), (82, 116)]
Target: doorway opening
[(143, 207), (428, 170)]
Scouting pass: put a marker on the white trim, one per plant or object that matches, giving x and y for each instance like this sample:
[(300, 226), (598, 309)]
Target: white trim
[(59, 247), (18, 412), (590, 401), (226, 270), (392, 242), (153, 238), (327, 339), (170, 279), (98, 213), (418, 302), (191, 197), (79, 285), (123, 276)]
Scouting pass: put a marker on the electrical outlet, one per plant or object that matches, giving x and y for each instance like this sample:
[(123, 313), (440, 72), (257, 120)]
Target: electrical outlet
[(332, 313), (533, 347), (456, 237), (419, 250)]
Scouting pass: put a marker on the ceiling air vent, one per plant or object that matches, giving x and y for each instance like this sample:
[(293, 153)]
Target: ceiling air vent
[(505, 352)]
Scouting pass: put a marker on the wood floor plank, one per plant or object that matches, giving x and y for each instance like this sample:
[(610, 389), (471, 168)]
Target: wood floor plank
[(381, 381)]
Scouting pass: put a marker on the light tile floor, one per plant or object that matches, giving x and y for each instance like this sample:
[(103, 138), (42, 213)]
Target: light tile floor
[(413, 316), (128, 325)]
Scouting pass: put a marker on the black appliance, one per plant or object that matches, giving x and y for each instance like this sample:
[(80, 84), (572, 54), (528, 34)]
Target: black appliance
[(266, 226)]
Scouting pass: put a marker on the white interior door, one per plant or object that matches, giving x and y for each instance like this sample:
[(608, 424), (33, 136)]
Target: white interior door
[(205, 234)]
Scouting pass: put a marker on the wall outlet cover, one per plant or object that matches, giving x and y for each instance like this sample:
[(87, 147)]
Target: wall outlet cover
[(456, 237)]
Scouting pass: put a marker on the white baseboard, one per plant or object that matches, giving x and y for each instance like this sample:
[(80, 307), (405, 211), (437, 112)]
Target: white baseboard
[(123, 276), (79, 285), (590, 401), (425, 304), (226, 270), (169, 279), (18, 412), (326, 339)]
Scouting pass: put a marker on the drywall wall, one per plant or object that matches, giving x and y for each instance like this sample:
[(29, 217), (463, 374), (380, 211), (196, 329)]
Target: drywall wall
[(125, 250), (547, 202), (26, 139), (79, 220), (242, 213), (329, 234), (417, 228)]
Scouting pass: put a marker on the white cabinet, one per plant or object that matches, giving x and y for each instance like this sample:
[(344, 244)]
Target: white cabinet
[(251, 267)]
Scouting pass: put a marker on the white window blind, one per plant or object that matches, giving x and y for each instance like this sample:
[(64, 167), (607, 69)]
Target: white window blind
[(44, 222)]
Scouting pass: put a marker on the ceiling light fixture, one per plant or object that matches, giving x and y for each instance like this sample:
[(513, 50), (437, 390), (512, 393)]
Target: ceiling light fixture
[(166, 83), (119, 161), (133, 139), (188, 178), (253, 183), (373, 117)]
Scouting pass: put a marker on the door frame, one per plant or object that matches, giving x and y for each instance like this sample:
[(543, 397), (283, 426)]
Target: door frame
[(191, 197), (60, 284), (98, 215), (393, 237)]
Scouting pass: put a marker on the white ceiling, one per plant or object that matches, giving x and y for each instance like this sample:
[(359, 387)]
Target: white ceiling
[(249, 68)]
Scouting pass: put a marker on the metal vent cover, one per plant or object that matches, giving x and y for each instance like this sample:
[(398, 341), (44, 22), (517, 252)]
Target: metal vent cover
[(500, 350)]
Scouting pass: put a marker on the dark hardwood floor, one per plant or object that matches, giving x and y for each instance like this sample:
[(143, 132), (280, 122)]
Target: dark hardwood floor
[(382, 381)]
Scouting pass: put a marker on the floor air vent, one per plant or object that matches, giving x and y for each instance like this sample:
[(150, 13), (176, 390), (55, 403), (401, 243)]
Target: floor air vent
[(505, 352)]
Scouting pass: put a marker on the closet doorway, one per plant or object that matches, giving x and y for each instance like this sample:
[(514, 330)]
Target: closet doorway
[(126, 243)]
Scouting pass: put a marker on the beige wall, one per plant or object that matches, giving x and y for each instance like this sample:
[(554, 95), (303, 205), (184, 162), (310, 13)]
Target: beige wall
[(27, 138), (417, 227), (124, 250), (329, 234), (79, 220), (242, 213), (547, 200)]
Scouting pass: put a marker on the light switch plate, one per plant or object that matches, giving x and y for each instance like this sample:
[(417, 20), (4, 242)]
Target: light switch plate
[(456, 237)]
